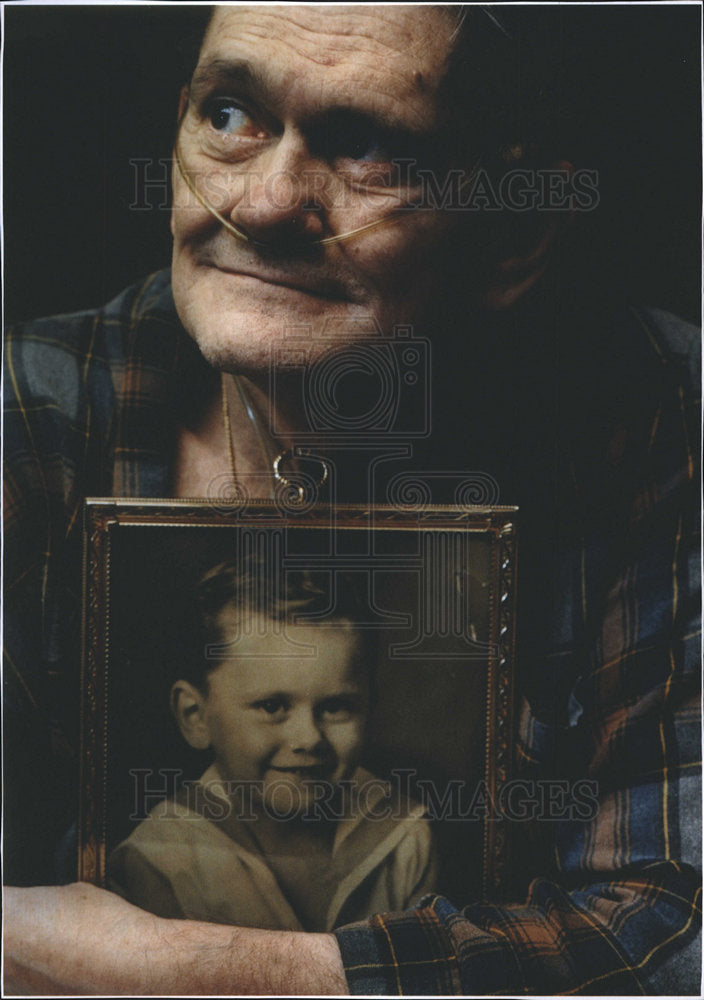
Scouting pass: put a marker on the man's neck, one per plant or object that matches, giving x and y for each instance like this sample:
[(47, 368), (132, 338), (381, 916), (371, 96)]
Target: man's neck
[(234, 437)]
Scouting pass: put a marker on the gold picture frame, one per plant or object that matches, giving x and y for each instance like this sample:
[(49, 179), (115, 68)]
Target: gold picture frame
[(443, 720)]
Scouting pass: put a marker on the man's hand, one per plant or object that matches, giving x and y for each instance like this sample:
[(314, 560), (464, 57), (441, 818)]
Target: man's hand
[(80, 940)]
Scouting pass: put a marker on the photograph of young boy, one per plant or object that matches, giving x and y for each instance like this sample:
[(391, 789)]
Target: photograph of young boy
[(285, 829)]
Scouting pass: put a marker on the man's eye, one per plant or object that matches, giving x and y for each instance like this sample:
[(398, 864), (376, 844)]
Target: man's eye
[(347, 138), (271, 706), (227, 116), (368, 150)]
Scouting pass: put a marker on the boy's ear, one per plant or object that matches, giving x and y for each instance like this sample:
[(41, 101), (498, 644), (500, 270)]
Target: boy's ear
[(514, 274), (188, 708)]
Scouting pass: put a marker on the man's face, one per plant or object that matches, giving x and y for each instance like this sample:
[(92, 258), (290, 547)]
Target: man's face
[(285, 719), (293, 118)]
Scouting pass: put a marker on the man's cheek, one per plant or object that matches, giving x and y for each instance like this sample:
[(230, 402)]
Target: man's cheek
[(393, 262), (188, 216)]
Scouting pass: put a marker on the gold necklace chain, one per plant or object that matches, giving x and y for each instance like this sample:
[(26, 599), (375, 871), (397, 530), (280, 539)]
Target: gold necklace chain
[(274, 463), (227, 425)]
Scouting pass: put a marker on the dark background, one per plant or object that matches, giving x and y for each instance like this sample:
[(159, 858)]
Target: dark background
[(88, 89)]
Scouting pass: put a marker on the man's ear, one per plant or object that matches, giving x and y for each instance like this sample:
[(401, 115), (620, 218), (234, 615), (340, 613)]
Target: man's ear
[(188, 708), (182, 102), (512, 276)]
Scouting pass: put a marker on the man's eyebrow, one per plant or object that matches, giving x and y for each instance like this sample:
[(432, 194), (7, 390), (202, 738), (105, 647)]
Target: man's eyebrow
[(236, 73)]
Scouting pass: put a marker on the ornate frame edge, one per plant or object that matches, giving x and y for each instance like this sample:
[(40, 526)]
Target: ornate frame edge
[(97, 523), (500, 716)]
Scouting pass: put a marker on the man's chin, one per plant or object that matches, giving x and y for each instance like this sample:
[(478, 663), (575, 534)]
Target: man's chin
[(238, 344), (236, 360), (250, 345)]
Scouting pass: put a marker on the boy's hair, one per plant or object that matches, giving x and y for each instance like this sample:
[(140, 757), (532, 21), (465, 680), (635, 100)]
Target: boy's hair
[(252, 585)]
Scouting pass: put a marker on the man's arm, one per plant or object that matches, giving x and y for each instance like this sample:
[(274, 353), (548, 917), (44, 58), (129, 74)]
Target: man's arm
[(78, 940)]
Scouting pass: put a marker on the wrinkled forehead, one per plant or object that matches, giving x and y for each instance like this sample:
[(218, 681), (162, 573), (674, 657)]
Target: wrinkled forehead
[(312, 56)]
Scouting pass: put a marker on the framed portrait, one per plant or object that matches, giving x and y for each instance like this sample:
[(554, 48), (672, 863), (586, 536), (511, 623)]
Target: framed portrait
[(433, 625)]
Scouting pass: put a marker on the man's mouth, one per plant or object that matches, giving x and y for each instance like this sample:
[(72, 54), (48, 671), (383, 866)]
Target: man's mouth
[(320, 288)]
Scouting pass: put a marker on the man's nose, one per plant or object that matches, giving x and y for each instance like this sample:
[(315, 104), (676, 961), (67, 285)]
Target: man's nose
[(304, 733), (282, 200)]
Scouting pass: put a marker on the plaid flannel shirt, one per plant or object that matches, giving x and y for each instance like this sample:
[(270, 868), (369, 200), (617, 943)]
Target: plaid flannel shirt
[(610, 904)]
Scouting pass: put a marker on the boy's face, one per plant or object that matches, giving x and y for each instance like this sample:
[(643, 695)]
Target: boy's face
[(277, 716)]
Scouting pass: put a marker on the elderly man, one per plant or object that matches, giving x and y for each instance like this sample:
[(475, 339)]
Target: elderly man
[(307, 139)]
